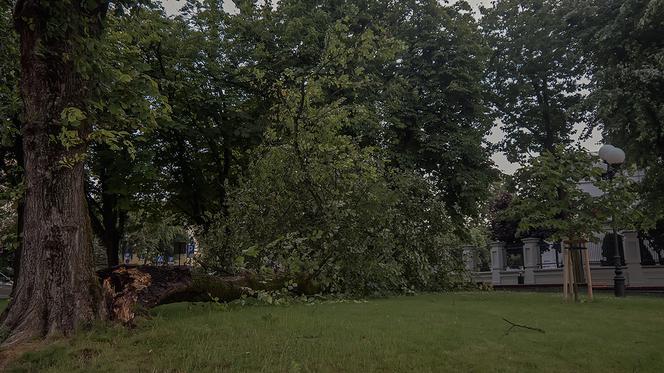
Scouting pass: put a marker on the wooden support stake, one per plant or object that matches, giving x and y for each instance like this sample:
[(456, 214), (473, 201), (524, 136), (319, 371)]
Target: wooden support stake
[(565, 274), (589, 280)]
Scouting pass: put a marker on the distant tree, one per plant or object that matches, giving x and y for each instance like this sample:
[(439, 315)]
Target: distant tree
[(216, 72), (503, 228), (655, 237), (609, 249), (535, 74), (622, 39), (120, 172), (149, 235), (504, 223), (434, 106)]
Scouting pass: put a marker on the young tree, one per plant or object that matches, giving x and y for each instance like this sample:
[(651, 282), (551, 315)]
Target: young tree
[(433, 105), (579, 215), (121, 174), (215, 72), (549, 197)]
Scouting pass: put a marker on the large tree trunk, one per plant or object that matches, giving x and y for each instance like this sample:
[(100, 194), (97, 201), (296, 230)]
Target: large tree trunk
[(57, 289)]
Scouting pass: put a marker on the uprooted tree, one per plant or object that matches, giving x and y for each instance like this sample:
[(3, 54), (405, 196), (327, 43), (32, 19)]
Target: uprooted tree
[(334, 157), (130, 290)]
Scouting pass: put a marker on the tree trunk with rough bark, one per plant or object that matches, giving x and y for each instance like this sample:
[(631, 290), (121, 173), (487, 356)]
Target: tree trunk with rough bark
[(57, 290)]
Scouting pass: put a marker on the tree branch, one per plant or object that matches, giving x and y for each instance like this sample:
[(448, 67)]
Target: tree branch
[(513, 325)]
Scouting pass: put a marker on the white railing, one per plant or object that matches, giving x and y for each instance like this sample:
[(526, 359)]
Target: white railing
[(595, 252), (549, 256), (652, 252)]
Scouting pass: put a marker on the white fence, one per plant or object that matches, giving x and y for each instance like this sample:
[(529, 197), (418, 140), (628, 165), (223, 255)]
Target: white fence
[(539, 263)]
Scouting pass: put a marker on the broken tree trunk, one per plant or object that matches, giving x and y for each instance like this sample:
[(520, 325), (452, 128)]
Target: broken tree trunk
[(127, 290), (130, 291)]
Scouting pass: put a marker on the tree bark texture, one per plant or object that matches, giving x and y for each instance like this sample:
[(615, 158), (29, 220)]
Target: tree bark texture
[(57, 290)]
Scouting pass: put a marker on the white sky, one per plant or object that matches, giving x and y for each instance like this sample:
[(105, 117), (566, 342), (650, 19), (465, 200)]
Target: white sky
[(173, 6)]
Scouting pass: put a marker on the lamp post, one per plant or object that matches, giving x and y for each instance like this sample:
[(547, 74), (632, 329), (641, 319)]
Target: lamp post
[(614, 157)]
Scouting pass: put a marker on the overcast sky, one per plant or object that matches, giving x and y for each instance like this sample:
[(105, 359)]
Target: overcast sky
[(173, 6)]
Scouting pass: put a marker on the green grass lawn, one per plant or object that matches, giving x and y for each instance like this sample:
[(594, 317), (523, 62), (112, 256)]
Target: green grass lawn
[(425, 333)]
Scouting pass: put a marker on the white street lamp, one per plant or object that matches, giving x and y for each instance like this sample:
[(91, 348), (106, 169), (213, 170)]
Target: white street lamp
[(612, 155)]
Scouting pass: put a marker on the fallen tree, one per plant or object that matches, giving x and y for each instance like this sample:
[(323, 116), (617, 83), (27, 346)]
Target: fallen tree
[(129, 291)]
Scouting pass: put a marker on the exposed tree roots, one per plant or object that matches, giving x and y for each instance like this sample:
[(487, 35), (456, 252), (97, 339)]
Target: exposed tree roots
[(128, 290)]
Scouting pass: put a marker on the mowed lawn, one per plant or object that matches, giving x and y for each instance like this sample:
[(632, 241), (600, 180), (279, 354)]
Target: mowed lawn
[(458, 332)]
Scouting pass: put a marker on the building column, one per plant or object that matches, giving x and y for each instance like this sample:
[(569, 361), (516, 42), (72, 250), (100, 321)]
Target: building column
[(635, 276), (531, 254), (497, 261), (469, 258)]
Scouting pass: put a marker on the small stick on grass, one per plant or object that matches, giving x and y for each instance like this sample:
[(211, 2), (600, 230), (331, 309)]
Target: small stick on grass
[(513, 325)]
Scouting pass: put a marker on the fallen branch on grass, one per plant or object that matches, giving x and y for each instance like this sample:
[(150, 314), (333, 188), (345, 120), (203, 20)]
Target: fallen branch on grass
[(513, 325)]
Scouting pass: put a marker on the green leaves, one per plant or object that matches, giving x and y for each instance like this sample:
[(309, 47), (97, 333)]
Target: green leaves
[(113, 140), (10, 103), (566, 194), (368, 147), (535, 75), (72, 117), (626, 57)]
